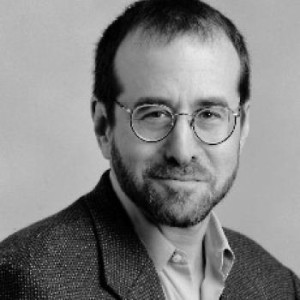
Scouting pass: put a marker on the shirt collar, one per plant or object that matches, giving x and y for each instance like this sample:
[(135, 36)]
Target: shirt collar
[(219, 255)]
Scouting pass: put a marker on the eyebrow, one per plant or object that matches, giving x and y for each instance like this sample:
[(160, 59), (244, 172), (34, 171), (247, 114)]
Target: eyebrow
[(152, 100), (211, 101), (202, 102)]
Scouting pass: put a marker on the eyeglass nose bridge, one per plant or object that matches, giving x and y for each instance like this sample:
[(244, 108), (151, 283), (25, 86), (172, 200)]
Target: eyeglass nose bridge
[(191, 122)]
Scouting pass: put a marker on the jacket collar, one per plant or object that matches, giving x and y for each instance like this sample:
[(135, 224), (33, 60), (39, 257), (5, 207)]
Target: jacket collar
[(125, 266)]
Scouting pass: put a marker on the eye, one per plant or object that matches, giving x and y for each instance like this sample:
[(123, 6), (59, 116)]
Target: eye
[(211, 117), (152, 113), (159, 114), (209, 114)]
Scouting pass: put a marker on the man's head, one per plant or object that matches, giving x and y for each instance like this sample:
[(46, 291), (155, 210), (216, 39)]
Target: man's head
[(183, 55), (166, 20)]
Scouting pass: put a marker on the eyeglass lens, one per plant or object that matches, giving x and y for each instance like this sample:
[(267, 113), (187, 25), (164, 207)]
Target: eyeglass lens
[(154, 122)]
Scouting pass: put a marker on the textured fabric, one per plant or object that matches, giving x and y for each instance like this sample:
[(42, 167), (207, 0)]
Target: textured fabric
[(90, 251)]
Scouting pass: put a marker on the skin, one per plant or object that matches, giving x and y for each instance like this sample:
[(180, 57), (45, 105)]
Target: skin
[(177, 181)]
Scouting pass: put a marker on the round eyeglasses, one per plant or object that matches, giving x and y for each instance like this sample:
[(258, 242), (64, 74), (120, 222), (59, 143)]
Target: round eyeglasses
[(212, 124)]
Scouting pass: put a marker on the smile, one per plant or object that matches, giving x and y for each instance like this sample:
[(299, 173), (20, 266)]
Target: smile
[(178, 182), (185, 178)]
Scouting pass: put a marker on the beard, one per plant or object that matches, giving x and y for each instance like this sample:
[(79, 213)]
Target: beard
[(175, 207)]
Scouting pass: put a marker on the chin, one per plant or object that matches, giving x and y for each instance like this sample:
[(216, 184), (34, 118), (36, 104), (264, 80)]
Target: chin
[(179, 220), (178, 210)]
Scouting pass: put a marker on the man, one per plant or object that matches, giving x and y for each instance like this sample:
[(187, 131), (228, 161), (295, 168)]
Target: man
[(171, 114)]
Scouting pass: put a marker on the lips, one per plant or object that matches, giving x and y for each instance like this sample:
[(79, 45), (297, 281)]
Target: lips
[(189, 173), (180, 178), (183, 178)]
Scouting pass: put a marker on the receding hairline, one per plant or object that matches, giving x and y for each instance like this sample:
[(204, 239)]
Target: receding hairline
[(148, 33), (141, 36)]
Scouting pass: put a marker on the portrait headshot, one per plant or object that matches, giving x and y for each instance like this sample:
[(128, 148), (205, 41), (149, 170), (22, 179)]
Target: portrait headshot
[(149, 149)]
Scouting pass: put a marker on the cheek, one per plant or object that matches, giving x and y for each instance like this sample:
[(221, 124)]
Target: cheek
[(135, 153), (224, 157)]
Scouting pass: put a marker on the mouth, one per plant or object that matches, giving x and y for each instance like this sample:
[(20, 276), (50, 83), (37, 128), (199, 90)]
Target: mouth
[(181, 179), (185, 178), (177, 183)]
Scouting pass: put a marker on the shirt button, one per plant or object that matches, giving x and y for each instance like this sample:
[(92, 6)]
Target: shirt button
[(177, 258)]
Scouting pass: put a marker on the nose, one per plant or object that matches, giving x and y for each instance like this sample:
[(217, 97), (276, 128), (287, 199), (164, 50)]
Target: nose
[(181, 145)]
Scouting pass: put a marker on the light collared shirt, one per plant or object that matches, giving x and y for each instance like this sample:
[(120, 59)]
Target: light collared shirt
[(172, 264)]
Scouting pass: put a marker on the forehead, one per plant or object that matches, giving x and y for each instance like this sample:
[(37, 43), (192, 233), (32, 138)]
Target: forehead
[(183, 70)]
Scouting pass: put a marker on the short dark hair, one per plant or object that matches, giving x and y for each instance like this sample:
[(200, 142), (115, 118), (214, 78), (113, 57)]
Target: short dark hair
[(166, 18)]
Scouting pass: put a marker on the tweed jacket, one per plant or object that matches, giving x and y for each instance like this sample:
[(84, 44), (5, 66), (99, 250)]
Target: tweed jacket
[(90, 251)]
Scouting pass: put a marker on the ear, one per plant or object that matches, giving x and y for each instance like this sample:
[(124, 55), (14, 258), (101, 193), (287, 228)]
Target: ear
[(245, 124), (102, 127)]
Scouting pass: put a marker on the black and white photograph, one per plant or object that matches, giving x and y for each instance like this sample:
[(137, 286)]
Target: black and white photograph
[(149, 149)]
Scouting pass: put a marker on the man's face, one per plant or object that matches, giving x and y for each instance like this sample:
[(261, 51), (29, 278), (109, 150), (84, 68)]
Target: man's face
[(178, 180)]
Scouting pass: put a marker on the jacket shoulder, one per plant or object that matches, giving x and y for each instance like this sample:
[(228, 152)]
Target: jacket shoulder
[(249, 254), (38, 235), (48, 253), (255, 269), (249, 250)]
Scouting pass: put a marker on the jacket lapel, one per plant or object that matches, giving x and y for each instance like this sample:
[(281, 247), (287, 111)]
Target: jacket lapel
[(244, 282), (239, 286), (126, 267)]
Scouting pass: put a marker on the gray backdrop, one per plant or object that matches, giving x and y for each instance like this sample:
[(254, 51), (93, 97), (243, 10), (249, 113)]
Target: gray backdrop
[(48, 153)]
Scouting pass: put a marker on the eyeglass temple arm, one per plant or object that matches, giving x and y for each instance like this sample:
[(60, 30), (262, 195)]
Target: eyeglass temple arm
[(124, 107)]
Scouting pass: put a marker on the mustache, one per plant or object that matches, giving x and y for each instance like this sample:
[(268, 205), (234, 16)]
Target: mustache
[(190, 172)]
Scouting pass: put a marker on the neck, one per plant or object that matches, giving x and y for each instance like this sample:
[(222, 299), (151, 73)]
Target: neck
[(187, 239)]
